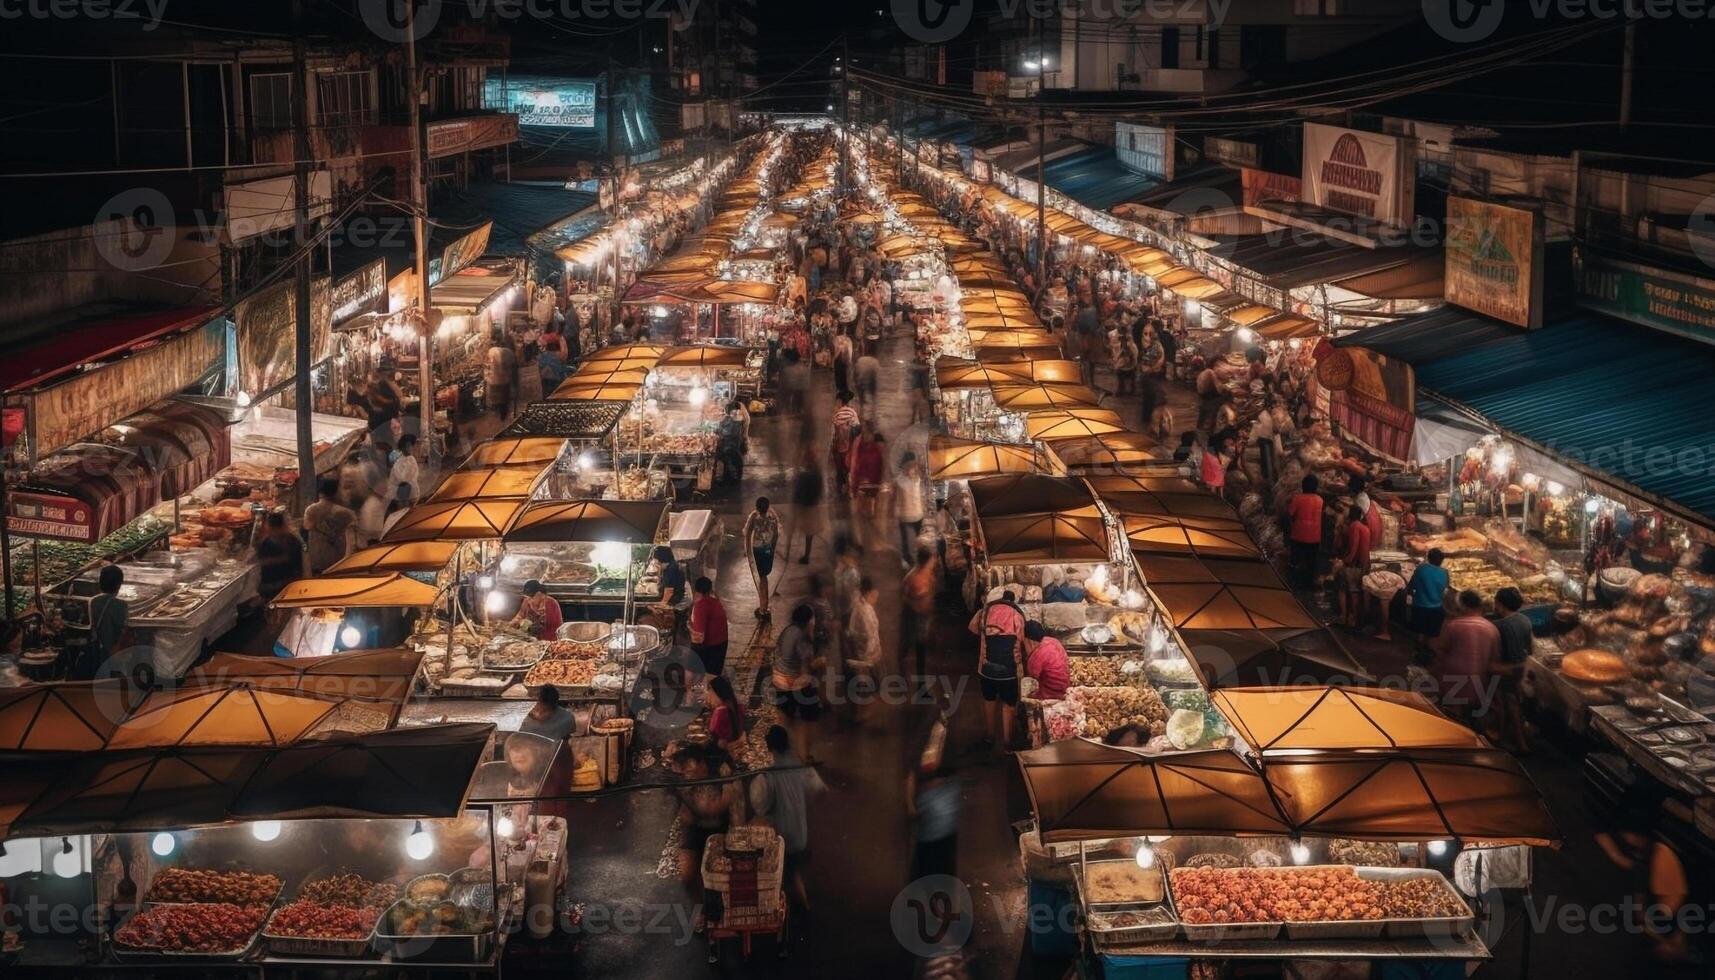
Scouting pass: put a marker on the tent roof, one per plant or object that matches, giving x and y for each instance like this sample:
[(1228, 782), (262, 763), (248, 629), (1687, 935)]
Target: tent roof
[(368, 675), (1084, 790), (583, 421), (1171, 496), (576, 390), (617, 371), (69, 717), (628, 521), (1123, 448), (487, 484), (513, 452), (356, 592), (1267, 658), (953, 374), (705, 356), (625, 352), (1026, 397), (1002, 496), (231, 714), (1222, 594), (405, 773), (469, 520), (1057, 423), (1077, 535), (382, 559), (951, 458), (1274, 718), (1212, 537)]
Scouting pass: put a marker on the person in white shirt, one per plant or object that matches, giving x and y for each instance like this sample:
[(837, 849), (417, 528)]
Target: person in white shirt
[(406, 471), (908, 505), (848, 310), (1268, 447), (864, 629), (372, 516)]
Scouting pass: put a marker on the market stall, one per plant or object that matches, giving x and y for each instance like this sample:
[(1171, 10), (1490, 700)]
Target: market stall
[(351, 611)]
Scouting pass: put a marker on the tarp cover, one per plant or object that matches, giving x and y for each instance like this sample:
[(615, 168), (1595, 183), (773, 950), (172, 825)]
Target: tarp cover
[(628, 521), (1066, 423), (513, 452), (356, 592), (70, 717), (370, 675), (469, 520), (1222, 594), (1273, 718), (1018, 539), (385, 559), (1171, 496), (951, 458), (1029, 494), (231, 714), (487, 484), (1178, 535), (1270, 658), (1115, 449)]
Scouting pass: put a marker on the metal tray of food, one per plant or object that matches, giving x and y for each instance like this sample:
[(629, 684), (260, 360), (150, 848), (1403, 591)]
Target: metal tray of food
[(463, 942), (1337, 929), (1421, 928), (584, 632), (140, 954), (426, 889), (473, 888), (1100, 917), (486, 685), (152, 896), (344, 949), (1231, 932), (511, 656), (632, 645)]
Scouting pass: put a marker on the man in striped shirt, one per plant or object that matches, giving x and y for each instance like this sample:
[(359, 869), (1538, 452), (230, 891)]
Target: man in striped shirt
[(845, 425)]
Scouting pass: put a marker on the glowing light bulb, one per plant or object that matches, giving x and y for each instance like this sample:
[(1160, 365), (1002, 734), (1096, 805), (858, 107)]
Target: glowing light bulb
[(1555, 489), (1592, 505), (1164, 838), (1246, 335), (68, 863), (585, 461), (350, 637), (504, 827), (485, 582), (699, 395), (163, 844), (509, 564), (495, 603), (419, 845), (243, 399), (1146, 857), (1300, 852), (1437, 848), (266, 830)]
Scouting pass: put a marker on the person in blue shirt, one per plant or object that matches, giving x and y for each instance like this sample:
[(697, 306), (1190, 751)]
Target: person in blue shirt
[(1426, 593)]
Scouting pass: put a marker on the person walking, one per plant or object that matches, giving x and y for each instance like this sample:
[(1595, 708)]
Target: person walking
[(1000, 628), (809, 518), (843, 429), (908, 511), (1517, 638), (917, 606), (1152, 368), (793, 674), (280, 555), (406, 475), (844, 354), (1210, 395), (329, 527), (1353, 565), (780, 797), (1467, 651), (863, 629), (726, 715), (1304, 530), (932, 800), (761, 532), (868, 470), (708, 627), (499, 370)]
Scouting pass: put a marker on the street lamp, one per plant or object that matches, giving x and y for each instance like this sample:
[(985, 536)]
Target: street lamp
[(1039, 65)]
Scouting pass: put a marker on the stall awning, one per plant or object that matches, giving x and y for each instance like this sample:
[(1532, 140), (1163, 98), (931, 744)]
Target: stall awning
[(456, 520), (1117, 449), (578, 391), (410, 773), (1587, 388), (1084, 790), (626, 352), (1443, 432), (468, 292), (233, 714), (1020, 539), (1270, 658), (1093, 177), (1057, 424), (1420, 279), (632, 372), (1025, 398), (1206, 537), (1289, 261), (364, 675), (1170, 496), (1222, 594), (1278, 718), (487, 484), (1431, 336), (356, 591), (97, 337), (580, 421), (600, 521), (384, 559), (514, 452), (1001, 496), (69, 717), (1286, 326), (958, 375), (705, 356), (964, 459)]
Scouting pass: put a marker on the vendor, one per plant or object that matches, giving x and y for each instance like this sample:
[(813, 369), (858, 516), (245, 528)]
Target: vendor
[(108, 615), (539, 613), (1045, 663), (280, 555), (548, 717), (672, 576)]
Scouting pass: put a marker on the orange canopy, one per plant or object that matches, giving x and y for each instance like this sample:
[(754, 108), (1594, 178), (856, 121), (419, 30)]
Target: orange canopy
[(626, 352), (356, 591), (1171, 496), (1077, 535), (1003, 496), (1119, 449), (1274, 718), (457, 520), (485, 484), (705, 356), (959, 375), (1222, 594), (238, 714), (1024, 398), (415, 556), (1064, 423), (69, 717), (514, 452), (964, 459), (628, 521), (576, 390), (1212, 537), (364, 675), (1312, 658)]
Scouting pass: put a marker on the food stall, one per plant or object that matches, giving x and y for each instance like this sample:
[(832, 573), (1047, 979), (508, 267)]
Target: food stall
[(351, 612)]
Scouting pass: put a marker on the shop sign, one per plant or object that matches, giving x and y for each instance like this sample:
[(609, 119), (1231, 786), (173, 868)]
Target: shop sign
[(93, 400), (460, 254), (1495, 260), (989, 83), (1370, 175), (450, 136), (360, 292), (1371, 396), (1265, 185), (267, 335), (1656, 298), (1233, 153), (49, 515), (1145, 149)]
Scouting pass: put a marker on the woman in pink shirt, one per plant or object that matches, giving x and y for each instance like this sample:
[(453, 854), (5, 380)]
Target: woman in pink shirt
[(1046, 663)]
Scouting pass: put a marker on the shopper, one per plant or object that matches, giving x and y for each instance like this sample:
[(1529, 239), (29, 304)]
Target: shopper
[(1000, 627), (1152, 368), (1354, 564), (843, 431), (908, 492), (1046, 663), (372, 514), (499, 370), (794, 677), (1467, 651), (780, 797), (761, 532), (280, 555), (109, 616), (705, 809), (329, 528), (809, 518), (726, 715), (1304, 530), (548, 717), (406, 473), (1658, 889), (1426, 593), (917, 604), (1517, 637), (708, 627), (1212, 469), (1210, 395), (863, 629), (932, 802), (868, 470)]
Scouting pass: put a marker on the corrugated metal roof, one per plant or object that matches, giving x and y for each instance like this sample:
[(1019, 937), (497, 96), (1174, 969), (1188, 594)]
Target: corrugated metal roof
[(1290, 258), (1094, 177), (1430, 336), (1616, 399)]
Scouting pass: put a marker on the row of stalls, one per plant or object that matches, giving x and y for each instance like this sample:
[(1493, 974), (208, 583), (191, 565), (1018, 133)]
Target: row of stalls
[(1219, 782)]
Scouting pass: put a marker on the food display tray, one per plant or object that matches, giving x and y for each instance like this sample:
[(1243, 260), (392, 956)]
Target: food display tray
[(447, 948), (1225, 932), (1337, 929), (343, 949), (272, 900), (124, 954), (1419, 928), (1154, 932), (510, 667)]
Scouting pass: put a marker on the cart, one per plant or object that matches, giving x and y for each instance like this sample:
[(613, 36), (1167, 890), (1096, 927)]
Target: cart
[(746, 868)]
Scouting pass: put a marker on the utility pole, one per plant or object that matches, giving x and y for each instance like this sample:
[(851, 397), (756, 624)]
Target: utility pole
[(301, 239), (613, 175), (420, 230), (845, 112), (1041, 155), (1627, 68)]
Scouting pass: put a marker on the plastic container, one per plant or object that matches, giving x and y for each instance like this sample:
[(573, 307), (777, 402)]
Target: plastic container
[(1051, 930), (1145, 967)]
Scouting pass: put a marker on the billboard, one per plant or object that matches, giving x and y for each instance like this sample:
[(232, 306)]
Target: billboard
[(1145, 149), (1657, 298), (1370, 175), (558, 103), (1494, 260)]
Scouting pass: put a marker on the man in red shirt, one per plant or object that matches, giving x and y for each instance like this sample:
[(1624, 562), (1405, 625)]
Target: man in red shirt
[(708, 626), (1466, 654), (1046, 663), (1354, 565), (1304, 529), (1000, 629)]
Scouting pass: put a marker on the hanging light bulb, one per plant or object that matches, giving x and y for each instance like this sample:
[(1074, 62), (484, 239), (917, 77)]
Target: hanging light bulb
[(1162, 839), (350, 637), (508, 565), (1300, 852), (163, 844), (68, 863), (1246, 335), (1437, 848), (495, 603), (1145, 856), (504, 826), (699, 395), (419, 845), (243, 399), (266, 830), (1592, 505)]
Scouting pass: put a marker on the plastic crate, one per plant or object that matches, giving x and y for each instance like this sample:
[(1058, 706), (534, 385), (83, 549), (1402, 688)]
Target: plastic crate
[(1145, 967), (1052, 932)]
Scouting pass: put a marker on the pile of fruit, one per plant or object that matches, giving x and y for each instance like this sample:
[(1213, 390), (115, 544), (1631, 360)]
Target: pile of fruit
[(190, 885), (322, 920), (209, 928)]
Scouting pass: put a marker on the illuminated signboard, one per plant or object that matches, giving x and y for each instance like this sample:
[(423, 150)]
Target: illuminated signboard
[(558, 103)]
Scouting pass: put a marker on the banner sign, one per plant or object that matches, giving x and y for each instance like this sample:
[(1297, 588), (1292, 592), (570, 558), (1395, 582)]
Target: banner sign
[(461, 253), (1669, 301), (1145, 149), (450, 136), (1233, 153), (360, 292), (267, 334), (1495, 260), (1370, 175), (1372, 396), (93, 400), (1264, 185), (46, 515)]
